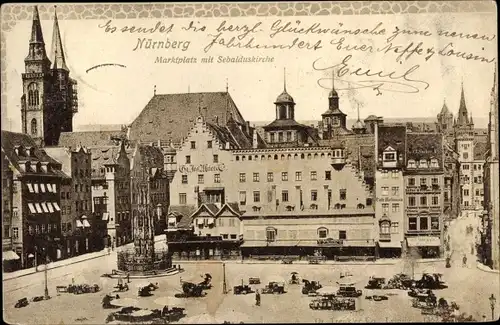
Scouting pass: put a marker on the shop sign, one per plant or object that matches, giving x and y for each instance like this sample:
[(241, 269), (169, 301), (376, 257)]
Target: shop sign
[(202, 168), (387, 199), (330, 242)]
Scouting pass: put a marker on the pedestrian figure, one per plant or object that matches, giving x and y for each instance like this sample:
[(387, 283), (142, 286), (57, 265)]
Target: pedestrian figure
[(257, 297), (464, 260), (128, 277)]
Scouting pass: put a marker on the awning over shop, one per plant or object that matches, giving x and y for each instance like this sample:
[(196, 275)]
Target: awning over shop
[(35, 187), (79, 224), (44, 207), (199, 222), (423, 241), (9, 256), (42, 187), (49, 188), (54, 189), (86, 223), (280, 243), (105, 216), (30, 187), (358, 243), (389, 244), (56, 206), (31, 207), (51, 208), (38, 208)]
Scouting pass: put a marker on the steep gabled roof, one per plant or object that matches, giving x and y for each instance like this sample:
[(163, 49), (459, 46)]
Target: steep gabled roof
[(170, 116), (425, 146), (13, 140), (233, 207), (184, 212), (90, 138), (208, 207), (393, 136)]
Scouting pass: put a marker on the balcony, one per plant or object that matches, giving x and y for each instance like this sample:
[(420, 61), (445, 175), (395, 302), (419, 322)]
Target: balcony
[(385, 237)]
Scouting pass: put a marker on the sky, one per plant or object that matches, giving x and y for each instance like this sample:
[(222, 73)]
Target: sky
[(116, 95)]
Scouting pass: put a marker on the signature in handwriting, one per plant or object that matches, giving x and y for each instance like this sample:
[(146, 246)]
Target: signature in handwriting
[(391, 81)]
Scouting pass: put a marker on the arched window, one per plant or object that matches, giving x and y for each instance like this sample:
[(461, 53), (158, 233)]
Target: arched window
[(322, 232), (361, 206), (33, 94), (34, 127), (337, 206)]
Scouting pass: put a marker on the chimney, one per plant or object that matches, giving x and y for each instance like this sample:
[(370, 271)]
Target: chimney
[(216, 120), (254, 140), (159, 143), (248, 127)]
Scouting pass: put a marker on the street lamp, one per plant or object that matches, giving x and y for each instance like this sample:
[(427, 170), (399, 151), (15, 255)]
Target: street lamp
[(493, 300)]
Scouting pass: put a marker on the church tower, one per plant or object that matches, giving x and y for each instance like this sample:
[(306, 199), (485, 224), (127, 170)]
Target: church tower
[(464, 146), (333, 121), (49, 97), (445, 120)]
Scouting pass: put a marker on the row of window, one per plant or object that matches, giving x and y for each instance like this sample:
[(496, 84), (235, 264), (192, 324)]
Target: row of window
[(280, 136), (412, 201), (81, 188), (422, 223), (337, 153), (7, 232), (395, 207), (215, 159), (394, 174), (42, 229), (423, 163), (82, 173), (423, 181), (209, 144), (284, 176), (389, 228), (323, 233), (284, 196), (478, 192), (394, 190)]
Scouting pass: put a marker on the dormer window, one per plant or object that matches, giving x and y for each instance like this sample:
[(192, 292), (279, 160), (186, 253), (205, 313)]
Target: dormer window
[(423, 164), (434, 163), (411, 163), (17, 150), (336, 121)]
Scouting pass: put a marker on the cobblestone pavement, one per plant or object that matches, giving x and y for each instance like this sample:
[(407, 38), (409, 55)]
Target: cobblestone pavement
[(469, 287)]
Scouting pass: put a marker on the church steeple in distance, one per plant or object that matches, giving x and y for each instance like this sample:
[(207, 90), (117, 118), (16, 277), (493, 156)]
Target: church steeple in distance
[(58, 57), (463, 116), (37, 54), (333, 97)]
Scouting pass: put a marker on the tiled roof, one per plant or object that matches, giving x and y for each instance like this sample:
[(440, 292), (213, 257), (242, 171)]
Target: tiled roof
[(392, 136), (102, 156), (11, 140), (184, 212), (480, 149), (90, 138), (170, 117), (223, 134), (425, 146), (283, 123)]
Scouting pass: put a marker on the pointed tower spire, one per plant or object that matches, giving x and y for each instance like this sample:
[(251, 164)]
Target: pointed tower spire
[(227, 86), (36, 28), (58, 58), (333, 92), (358, 113), (154, 90), (463, 118)]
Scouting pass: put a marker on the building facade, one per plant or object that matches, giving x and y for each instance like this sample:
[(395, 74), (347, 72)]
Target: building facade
[(49, 98), (111, 193), (36, 199), (390, 189), (78, 225), (490, 239), (424, 187), (10, 259)]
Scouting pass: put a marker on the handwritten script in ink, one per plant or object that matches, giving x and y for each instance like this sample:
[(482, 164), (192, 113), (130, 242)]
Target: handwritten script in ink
[(355, 47)]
